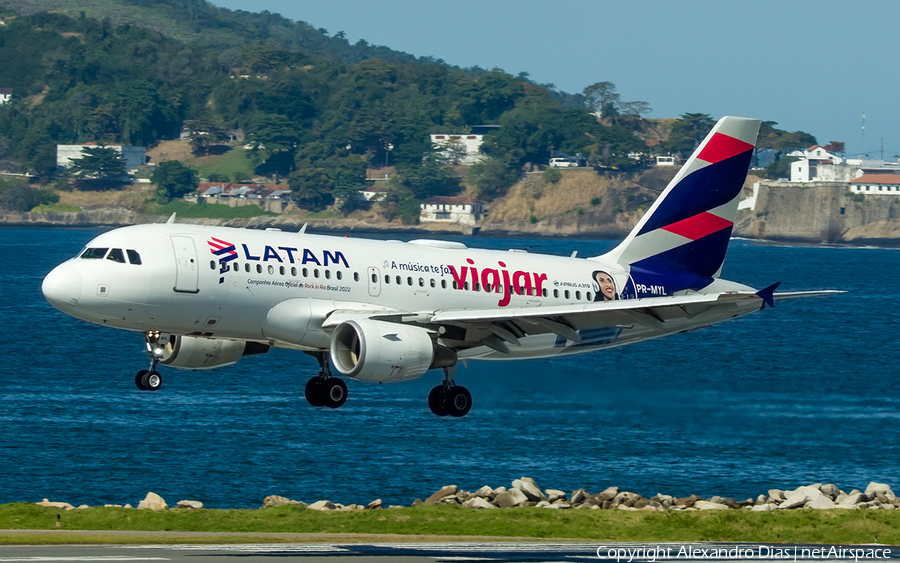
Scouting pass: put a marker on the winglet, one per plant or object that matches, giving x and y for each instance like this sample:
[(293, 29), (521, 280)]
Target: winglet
[(171, 220), (303, 229), (766, 294)]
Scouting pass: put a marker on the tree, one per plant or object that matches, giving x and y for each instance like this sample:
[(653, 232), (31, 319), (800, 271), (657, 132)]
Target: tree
[(600, 94), (204, 134), (173, 180), (21, 197), (688, 132), (428, 178), (348, 177), (99, 168), (491, 177), (216, 177), (311, 187), (637, 109)]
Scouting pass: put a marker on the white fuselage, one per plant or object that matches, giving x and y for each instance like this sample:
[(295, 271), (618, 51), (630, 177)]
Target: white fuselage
[(182, 287)]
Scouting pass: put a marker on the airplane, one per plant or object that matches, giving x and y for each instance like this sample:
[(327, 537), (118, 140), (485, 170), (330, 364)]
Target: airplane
[(388, 311)]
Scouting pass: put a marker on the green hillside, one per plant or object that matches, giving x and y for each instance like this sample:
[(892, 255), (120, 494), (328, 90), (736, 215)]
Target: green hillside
[(199, 22)]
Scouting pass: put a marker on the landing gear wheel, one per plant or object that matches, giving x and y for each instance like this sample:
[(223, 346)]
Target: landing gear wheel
[(457, 401), (151, 381), (333, 392), (137, 379), (313, 391), (435, 401)]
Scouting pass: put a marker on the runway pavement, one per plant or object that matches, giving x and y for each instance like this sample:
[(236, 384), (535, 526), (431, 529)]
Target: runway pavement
[(455, 552)]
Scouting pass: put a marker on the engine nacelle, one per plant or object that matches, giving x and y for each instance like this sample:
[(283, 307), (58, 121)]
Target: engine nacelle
[(381, 351), (190, 352)]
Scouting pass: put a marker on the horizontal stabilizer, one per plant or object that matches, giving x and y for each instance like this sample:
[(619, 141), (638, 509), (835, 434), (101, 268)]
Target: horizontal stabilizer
[(797, 294), (766, 294)]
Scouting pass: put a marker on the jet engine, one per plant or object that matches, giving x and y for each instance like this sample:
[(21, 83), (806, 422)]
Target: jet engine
[(191, 352), (380, 351)]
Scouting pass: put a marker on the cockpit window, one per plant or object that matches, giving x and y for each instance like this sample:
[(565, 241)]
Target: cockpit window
[(133, 256), (116, 255), (94, 253)]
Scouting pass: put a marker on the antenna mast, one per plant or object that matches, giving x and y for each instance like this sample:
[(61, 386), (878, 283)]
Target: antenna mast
[(863, 136)]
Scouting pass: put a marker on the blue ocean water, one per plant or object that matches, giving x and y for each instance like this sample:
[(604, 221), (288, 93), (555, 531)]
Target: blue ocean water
[(807, 392)]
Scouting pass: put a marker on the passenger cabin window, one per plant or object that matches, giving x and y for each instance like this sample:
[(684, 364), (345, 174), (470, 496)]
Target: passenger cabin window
[(133, 257), (94, 253)]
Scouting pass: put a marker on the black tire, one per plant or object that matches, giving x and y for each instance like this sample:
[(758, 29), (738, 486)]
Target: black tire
[(334, 392), (435, 401), (151, 381), (138, 377), (458, 401), (313, 392)]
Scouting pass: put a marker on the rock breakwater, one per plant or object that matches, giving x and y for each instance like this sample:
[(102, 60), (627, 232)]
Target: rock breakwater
[(525, 492)]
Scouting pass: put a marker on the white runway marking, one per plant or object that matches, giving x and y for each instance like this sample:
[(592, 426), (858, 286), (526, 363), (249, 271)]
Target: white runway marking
[(83, 558)]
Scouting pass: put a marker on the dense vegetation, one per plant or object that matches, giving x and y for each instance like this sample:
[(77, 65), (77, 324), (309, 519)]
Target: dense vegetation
[(311, 108)]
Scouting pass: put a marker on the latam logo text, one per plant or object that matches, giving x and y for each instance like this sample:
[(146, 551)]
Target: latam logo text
[(499, 280), (227, 252)]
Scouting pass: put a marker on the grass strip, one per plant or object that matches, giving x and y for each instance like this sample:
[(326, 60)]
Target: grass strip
[(204, 210), (792, 526)]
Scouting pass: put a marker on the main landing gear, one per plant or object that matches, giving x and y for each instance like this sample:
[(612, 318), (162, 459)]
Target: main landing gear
[(325, 390), (150, 379), (449, 399)]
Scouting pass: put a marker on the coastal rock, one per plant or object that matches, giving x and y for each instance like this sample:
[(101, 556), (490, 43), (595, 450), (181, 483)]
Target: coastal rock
[(554, 495), (624, 507), (531, 490), (688, 502), (376, 504), (189, 504), (512, 497), (777, 495), (578, 496), (830, 491), (276, 500), (851, 500), (415, 503), (528, 480), (322, 505), (477, 502), (112, 506), (63, 505), (500, 489), (608, 494), (559, 505), (764, 507), (794, 500), (484, 492), (820, 503), (542, 504), (84, 506), (443, 492), (127, 506), (153, 502), (761, 500), (708, 505), (874, 487)]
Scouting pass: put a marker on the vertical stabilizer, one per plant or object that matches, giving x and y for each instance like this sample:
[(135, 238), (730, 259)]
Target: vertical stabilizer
[(686, 231)]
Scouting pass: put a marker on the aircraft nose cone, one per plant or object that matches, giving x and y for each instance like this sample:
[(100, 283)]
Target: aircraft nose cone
[(62, 287)]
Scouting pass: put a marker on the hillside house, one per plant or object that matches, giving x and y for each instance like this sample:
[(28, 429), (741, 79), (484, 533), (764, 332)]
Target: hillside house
[(462, 148), (135, 157), (5, 95), (463, 210), (876, 184)]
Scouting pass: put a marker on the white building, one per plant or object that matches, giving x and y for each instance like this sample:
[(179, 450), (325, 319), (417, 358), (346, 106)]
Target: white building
[(5, 95), (818, 165), (463, 210), (876, 184), (459, 149), (134, 156)]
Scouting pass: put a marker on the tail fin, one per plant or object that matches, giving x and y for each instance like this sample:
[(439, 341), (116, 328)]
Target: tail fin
[(685, 233)]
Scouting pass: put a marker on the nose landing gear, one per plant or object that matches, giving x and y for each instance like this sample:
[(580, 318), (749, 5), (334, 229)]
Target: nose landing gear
[(449, 399), (325, 390), (150, 379)]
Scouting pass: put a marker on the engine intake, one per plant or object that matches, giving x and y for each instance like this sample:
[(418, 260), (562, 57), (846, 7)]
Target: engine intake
[(380, 351), (191, 352)]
